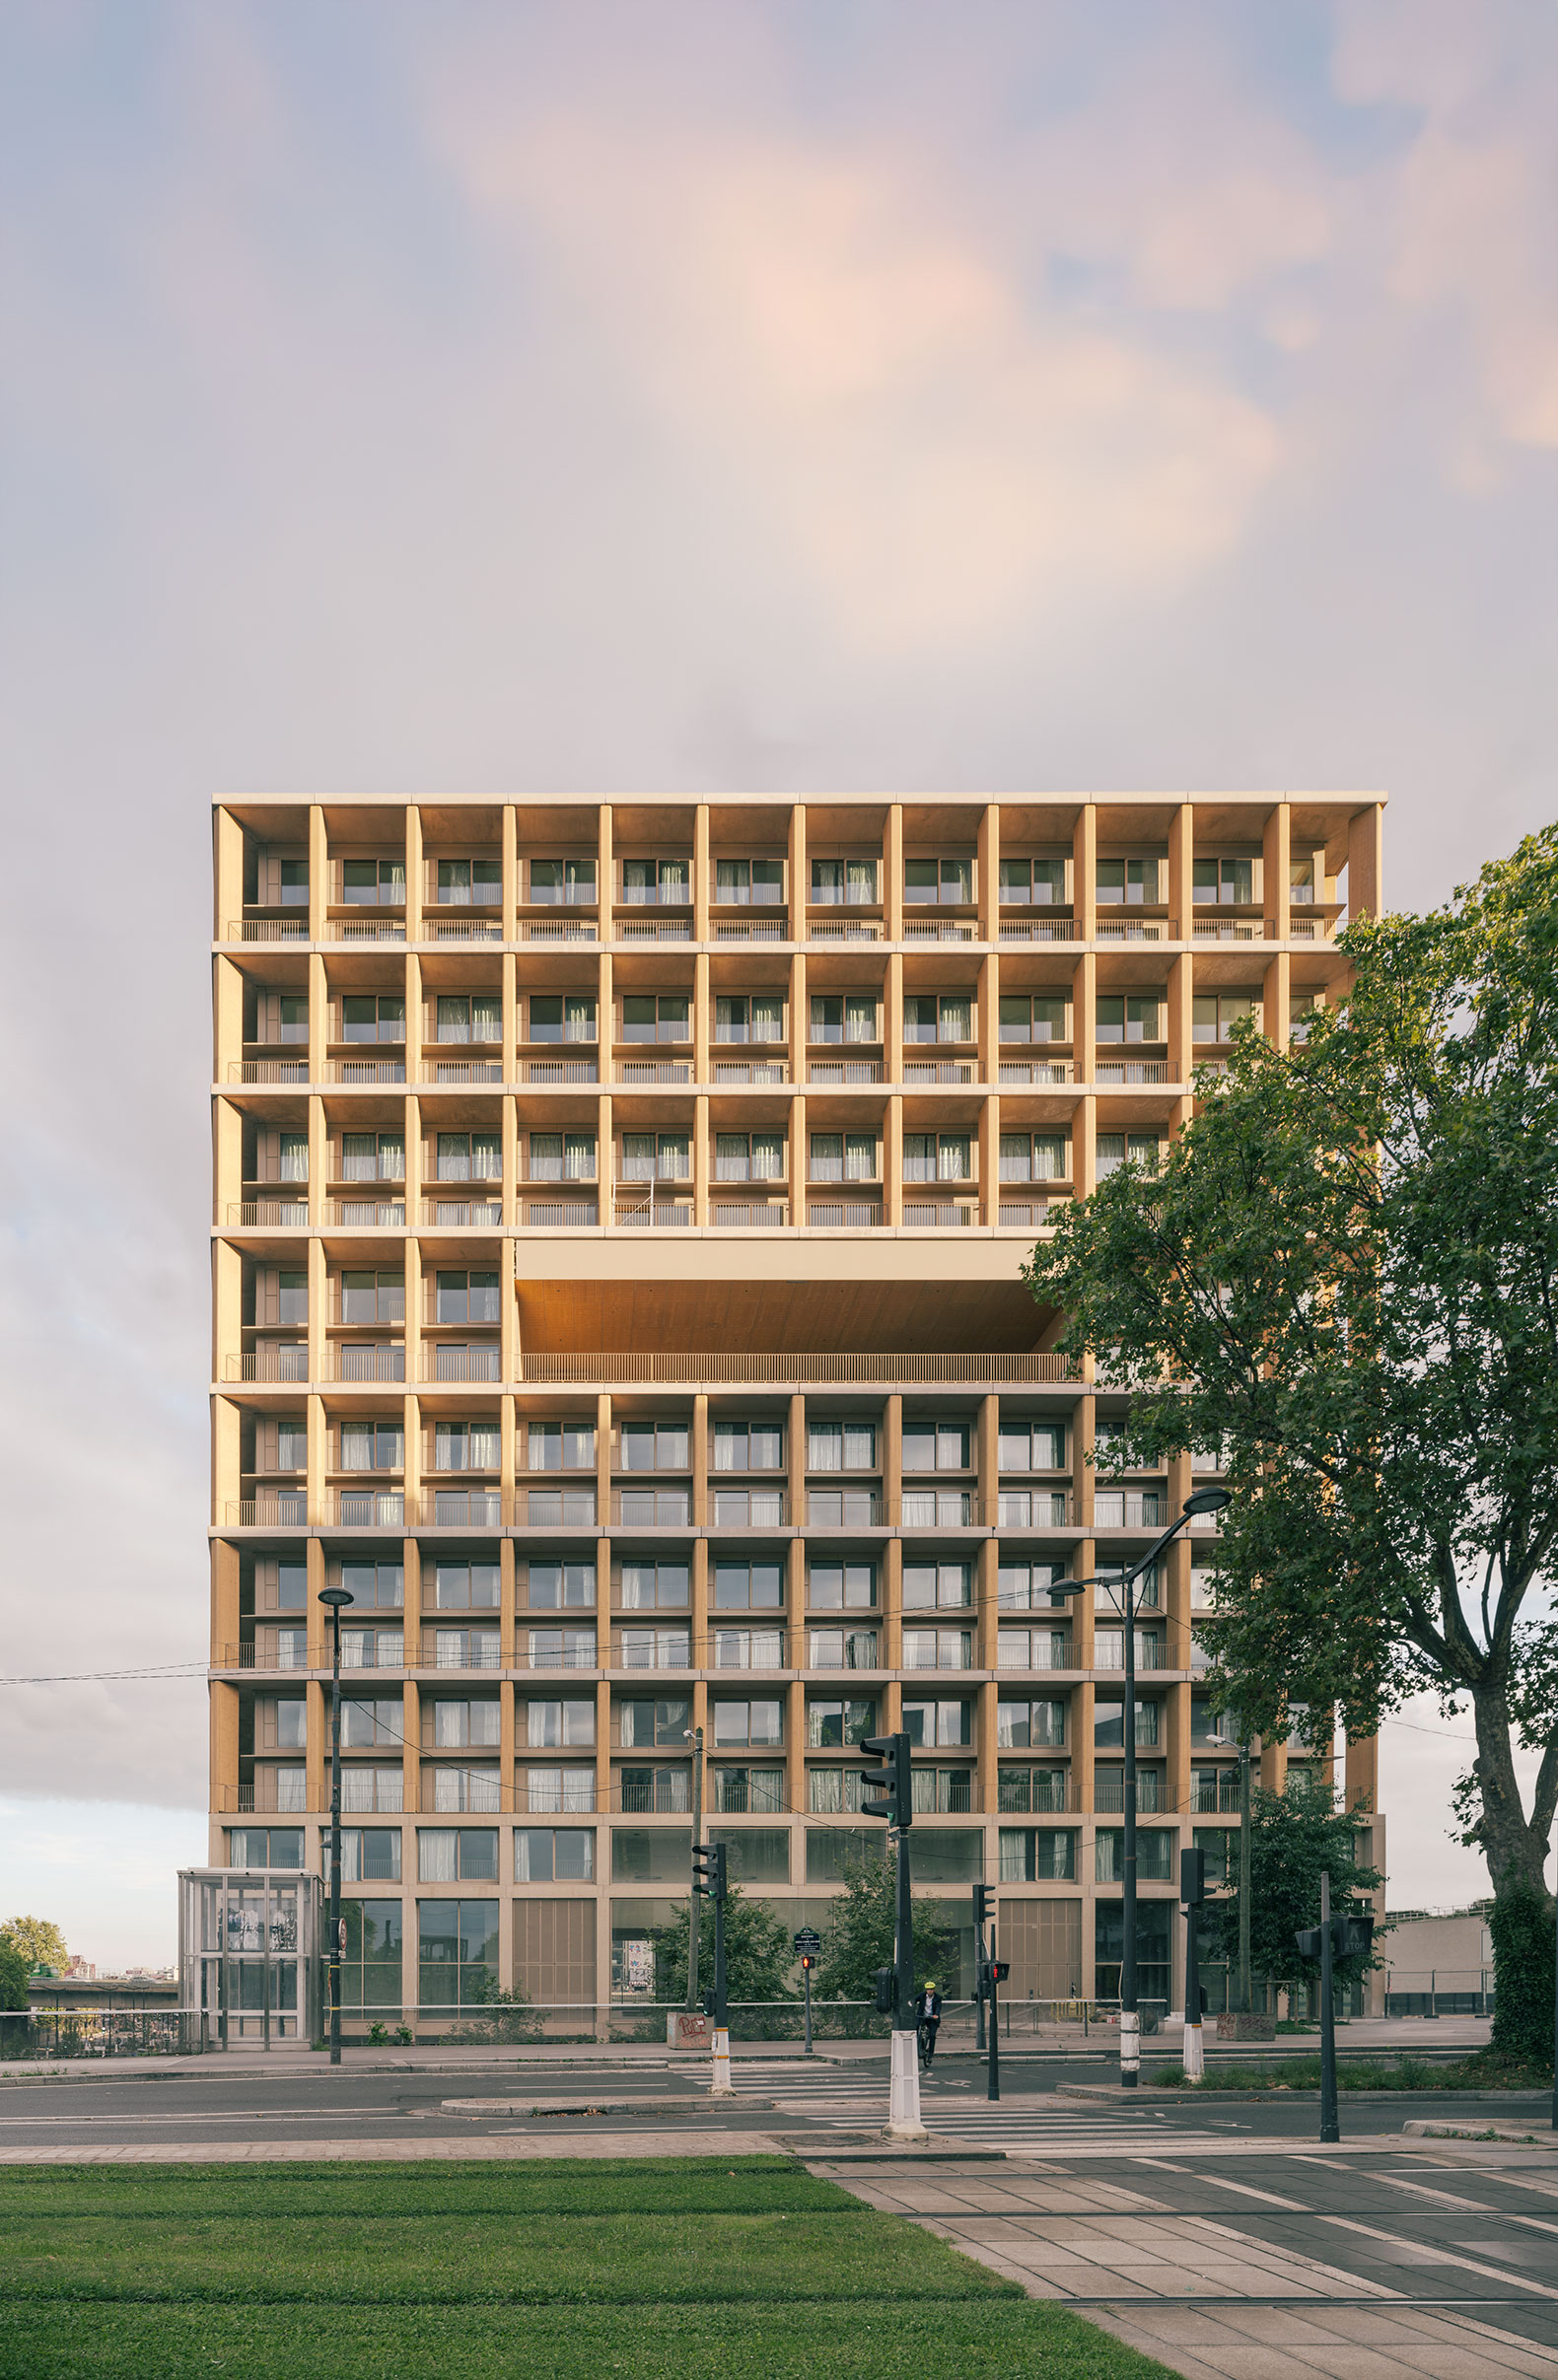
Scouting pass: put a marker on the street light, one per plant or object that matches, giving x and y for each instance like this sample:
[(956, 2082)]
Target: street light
[(1205, 1499), (334, 1597)]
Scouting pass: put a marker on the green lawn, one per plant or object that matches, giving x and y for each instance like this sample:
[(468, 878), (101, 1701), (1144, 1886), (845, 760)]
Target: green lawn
[(744, 2269)]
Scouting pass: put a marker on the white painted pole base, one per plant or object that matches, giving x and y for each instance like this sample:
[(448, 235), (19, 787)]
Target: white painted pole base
[(1194, 2054), (1130, 2043), (721, 2085), (903, 2104)]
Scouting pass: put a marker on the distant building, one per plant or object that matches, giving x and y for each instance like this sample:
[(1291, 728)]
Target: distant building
[(1437, 1965)]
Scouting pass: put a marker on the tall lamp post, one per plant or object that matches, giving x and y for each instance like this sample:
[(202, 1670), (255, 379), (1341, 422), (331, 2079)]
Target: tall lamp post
[(334, 1597), (1205, 1499)]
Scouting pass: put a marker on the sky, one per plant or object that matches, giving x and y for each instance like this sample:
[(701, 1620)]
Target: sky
[(685, 398)]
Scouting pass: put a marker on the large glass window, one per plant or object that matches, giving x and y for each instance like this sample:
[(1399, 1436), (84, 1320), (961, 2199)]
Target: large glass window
[(938, 1017), (371, 1961), (840, 1017), (469, 1156), (1154, 1850), (659, 1725), (561, 1586), (563, 1156), (935, 1445), (748, 1156), (932, 1724), (373, 1017), (844, 1157), (744, 1017), (748, 1584), (463, 1722), (937, 1648), (470, 1016), (373, 884), (655, 1446), (842, 1648), (373, 1156), (938, 880), (841, 1446), (560, 1446), (842, 1586), (1131, 882), (1117, 1149), (546, 1726), (1033, 1016), (373, 1298), (657, 1017), (265, 1846), (466, 1586), (470, 882), (1214, 1015), (831, 1725), (1037, 1854), (748, 1722), (467, 1296), (457, 1855), (1025, 1445), (1224, 883), (838, 883), (740, 882), (665, 882), (369, 1720), (743, 1444), (657, 1156), (649, 1585), (457, 1953), (1129, 1018), (562, 880), (563, 1016), (938, 1156), (1033, 883), (938, 1585), (553, 1854), (1024, 1725)]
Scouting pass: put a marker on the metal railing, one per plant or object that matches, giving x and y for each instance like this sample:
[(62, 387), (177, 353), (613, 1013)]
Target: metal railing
[(557, 1070), (1025, 1214), (362, 1072), (840, 1071), (942, 930), (1229, 929), (1135, 930), (463, 1214), (1131, 1069), (732, 1370), (748, 1508), (344, 1361), (845, 930), (561, 1214), (461, 930), (757, 1073), (751, 1216), (1108, 1793), (267, 1070), (456, 1071), (652, 1508), (28, 2034), (653, 1070), (845, 1509), (920, 1071), (268, 930), (1042, 1073), (289, 1363), (633, 930), (559, 929), (456, 1364), (554, 1507), (844, 1215), (267, 1214), (940, 1215), (751, 930), (366, 1214), (365, 930), (676, 894), (1038, 930), (272, 1509)]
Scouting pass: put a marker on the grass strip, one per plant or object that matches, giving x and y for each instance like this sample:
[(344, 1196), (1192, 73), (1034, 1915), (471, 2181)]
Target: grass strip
[(729, 2185), (879, 2339), (450, 2260), (1406, 2074)]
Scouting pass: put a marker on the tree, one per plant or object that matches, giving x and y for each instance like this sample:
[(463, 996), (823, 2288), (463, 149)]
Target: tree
[(12, 1976), (862, 1927), (1293, 1836), (1345, 1274), (40, 1942), (758, 1951)]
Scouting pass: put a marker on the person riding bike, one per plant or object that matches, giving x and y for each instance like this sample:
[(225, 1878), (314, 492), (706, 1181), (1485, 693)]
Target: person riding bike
[(928, 2017)]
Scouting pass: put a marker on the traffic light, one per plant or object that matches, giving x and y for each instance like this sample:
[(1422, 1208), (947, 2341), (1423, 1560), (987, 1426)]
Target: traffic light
[(708, 1870), (886, 1982), (896, 1797), (1350, 1937), (982, 1898), (1192, 1879), (1000, 1969), (808, 1962)]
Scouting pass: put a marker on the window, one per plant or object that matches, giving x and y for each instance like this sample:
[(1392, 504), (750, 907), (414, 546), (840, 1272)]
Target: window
[(563, 1016), (934, 1445), (1027, 1585), (639, 1791), (364, 1648), (734, 1790), (364, 1787), (938, 1585), (1109, 1724), (748, 1156), (942, 1790), (938, 1156), (1030, 1789), (756, 1584), (1037, 1854), (374, 882), (372, 1298), (548, 1725), (842, 1648), (833, 1792), (1301, 883), (754, 1722), (1033, 1648), (932, 1724), (657, 1017), (1117, 1149), (842, 1586), (469, 1156), (293, 1158), (547, 1855), (558, 1788), (833, 1726), (1031, 1445), (1203, 1590), (370, 1719), (467, 1445), (843, 1018), (265, 1846), (938, 1017), (1215, 1014), (1033, 883), (844, 1157), (1025, 1727), (290, 1451), (651, 1586), (1035, 1157), (748, 1445), (759, 1019), (467, 1648), (938, 880), (466, 1586), (373, 1156), (741, 881), (1040, 1016), (1209, 1725), (838, 883), (452, 1854), (371, 1445), (1219, 1849), (842, 1445), (561, 1586), (1132, 881), (553, 881), (370, 1854), (937, 1648), (292, 883), (1155, 1847), (1224, 883), (665, 882), (471, 882), (373, 1017), (371, 1960), (292, 1296), (651, 1855), (462, 1788), (1129, 1018), (462, 1722), (291, 1583), (656, 1649), (562, 1156), (467, 1296), (659, 1725), (470, 1016), (560, 1445), (649, 1157), (755, 1854), (456, 1952), (562, 1648)]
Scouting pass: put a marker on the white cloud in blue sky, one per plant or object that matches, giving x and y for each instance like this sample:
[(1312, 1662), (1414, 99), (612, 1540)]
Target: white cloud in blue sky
[(687, 397)]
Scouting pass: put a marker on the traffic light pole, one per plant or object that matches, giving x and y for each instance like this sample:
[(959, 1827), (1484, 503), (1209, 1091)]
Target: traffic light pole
[(806, 1976), (1130, 2006), (905, 2121), (721, 2086), (1330, 2127), (993, 2078)]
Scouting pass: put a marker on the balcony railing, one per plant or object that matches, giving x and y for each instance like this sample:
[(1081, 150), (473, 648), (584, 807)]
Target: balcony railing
[(269, 1214), (645, 930), (748, 1508), (1229, 929), (558, 929), (556, 1648), (751, 930), (267, 1070), (364, 928), (940, 1070), (463, 1214), (561, 1214), (456, 1071), (466, 929), (366, 1508), (1033, 1509), (555, 1071), (268, 930), (652, 1508), (766, 1074), (1130, 1508), (554, 1507), (762, 1215), (651, 1648), (843, 1071), (1025, 1214), (1108, 1791), (942, 930), (844, 1215), (1135, 930), (366, 1214), (344, 1361), (1038, 930), (844, 929), (271, 1509), (675, 893), (845, 1509), (276, 1360), (1131, 1069), (1039, 1791), (727, 1370), (462, 1362), (940, 1215), (644, 1071), (462, 1509), (745, 1648), (1043, 1074), (1222, 1796), (364, 1072), (1109, 1649), (460, 1649), (636, 1209), (661, 1792)]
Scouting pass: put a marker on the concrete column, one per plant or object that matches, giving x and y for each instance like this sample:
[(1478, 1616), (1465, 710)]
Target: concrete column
[(605, 1158), (226, 1603), (892, 1588), (411, 1793), (508, 1746), (318, 1017), (987, 1458), (800, 1159), (1365, 862), (319, 872), (513, 1172), (603, 1784), (1084, 872), (319, 1459), (989, 1018), (224, 1745), (606, 885), (226, 1023), (702, 1645), (508, 1570), (1084, 1146), (318, 1158), (512, 885), (510, 1363), (413, 1457), (988, 851), (799, 1017), (227, 1126), (700, 1461), (413, 1167), (505, 1451), (1181, 994), (603, 1472), (226, 1309), (892, 895), (703, 1020), (702, 879), (990, 1159), (316, 1758), (416, 1025), (227, 837), (892, 1162), (319, 1310), (701, 1158), (1276, 999), (798, 890), (1084, 1015), (795, 1751), (605, 1018), (1181, 873), (511, 1017), (419, 1279), (1276, 855), (892, 1035), (413, 872)]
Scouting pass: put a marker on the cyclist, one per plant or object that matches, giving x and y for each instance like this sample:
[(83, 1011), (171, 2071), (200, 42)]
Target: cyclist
[(928, 2015)]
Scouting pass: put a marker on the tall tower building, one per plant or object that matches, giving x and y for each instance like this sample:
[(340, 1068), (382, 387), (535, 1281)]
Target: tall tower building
[(618, 1214)]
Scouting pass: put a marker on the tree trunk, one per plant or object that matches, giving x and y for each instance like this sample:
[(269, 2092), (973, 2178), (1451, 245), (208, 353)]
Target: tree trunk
[(1513, 1845)]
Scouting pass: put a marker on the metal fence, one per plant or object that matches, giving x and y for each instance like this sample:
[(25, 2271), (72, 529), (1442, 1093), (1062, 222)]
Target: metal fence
[(50, 2033)]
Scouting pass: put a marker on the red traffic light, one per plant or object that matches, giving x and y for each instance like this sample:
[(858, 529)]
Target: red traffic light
[(808, 1963), (1000, 1969)]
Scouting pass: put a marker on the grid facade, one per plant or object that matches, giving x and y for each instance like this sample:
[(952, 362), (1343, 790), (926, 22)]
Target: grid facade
[(618, 1214)]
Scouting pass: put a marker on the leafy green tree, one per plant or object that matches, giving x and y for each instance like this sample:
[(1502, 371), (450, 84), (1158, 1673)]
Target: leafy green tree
[(12, 1976), (1521, 1923), (39, 1939), (1293, 1836), (759, 1950), (1345, 1274), (862, 1927)]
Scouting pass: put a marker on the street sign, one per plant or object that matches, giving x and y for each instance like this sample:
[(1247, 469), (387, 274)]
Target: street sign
[(807, 1942)]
